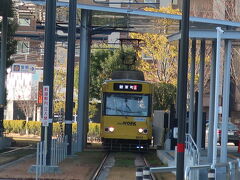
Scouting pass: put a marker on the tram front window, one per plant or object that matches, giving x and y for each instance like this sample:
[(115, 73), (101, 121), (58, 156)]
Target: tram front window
[(126, 105)]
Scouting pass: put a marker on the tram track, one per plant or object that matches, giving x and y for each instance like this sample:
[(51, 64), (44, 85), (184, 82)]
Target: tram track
[(152, 176), (108, 161), (100, 167), (15, 149), (12, 156)]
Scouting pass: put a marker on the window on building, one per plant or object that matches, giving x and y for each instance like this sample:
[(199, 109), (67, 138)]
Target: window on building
[(174, 2), (149, 1), (146, 57), (24, 21), (23, 47)]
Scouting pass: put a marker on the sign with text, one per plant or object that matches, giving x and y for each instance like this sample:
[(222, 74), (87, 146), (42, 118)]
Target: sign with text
[(40, 93), (24, 68), (45, 105), (127, 87)]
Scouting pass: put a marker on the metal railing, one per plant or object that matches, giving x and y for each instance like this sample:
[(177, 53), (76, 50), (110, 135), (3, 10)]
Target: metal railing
[(232, 169), (74, 143), (192, 149), (58, 150), (40, 159), (58, 154)]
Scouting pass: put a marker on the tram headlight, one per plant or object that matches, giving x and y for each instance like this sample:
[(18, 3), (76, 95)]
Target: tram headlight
[(111, 129), (140, 130), (145, 131)]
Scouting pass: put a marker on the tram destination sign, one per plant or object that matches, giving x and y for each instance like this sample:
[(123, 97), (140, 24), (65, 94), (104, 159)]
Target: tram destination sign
[(127, 87)]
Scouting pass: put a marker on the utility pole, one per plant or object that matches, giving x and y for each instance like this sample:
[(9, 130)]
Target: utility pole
[(48, 71), (182, 88), (70, 73)]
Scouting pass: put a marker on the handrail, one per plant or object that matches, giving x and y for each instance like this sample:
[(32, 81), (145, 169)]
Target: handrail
[(228, 165), (192, 145), (162, 169), (188, 169)]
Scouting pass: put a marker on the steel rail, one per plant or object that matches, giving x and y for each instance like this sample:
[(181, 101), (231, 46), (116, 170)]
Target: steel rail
[(16, 149), (99, 169), (148, 165)]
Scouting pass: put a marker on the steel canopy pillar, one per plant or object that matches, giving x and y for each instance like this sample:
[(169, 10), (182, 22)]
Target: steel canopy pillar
[(48, 72), (191, 111), (3, 60), (211, 103), (226, 93), (70, 73), (83, 85), (200, 94), (182, 89), (216, 98)]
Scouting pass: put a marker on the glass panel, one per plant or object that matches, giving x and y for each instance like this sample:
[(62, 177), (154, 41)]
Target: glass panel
[(232, 126), (127, 105), (24, 21), (23, 47)]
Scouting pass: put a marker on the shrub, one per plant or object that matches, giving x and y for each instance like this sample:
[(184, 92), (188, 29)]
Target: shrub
[(14, 126), (94, 129), (34, 127), (7, 127), (74, 127), (164, 96), (57, 129)]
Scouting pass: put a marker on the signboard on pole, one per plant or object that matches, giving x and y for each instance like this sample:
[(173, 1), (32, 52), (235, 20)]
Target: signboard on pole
[(45, 106), (40, 93), (24, 68)]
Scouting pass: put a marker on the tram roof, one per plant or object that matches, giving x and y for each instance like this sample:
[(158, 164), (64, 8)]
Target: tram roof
[(110, 19)]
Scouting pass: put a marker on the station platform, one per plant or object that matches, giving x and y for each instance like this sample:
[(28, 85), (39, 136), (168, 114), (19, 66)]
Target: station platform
[(168, 157)]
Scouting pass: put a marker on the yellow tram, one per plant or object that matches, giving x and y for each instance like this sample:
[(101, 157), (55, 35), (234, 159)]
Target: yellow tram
[(126, 119)]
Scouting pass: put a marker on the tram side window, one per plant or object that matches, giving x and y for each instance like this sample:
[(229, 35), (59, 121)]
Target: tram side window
[(127, 105)]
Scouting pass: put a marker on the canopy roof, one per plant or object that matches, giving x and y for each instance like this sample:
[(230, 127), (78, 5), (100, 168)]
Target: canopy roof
[(110, 19)]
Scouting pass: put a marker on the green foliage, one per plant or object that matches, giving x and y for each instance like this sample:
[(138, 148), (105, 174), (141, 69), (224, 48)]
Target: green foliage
[(14, 126), (94, 129), (163, 67), (103, 62), (164, 96), (59, 84), (92, 108), (57, 129), (34, 127), (12, 27), (11, 42), (74, 127), (124, 159)]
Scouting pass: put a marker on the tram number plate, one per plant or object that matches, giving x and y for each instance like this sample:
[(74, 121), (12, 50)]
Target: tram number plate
[(139, 137)]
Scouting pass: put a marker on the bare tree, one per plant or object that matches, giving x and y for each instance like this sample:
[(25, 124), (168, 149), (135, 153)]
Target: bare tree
[(27, 106)]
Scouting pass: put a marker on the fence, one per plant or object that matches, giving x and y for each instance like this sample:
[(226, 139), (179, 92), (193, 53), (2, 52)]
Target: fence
[(58, 150), (58, 154), (74, 143)]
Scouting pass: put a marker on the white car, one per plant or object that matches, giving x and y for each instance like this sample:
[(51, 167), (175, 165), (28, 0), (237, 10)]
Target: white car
[(233, 133)]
